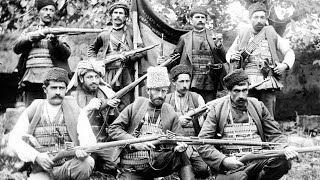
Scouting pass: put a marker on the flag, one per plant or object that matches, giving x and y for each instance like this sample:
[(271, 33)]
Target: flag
[(151, 29)]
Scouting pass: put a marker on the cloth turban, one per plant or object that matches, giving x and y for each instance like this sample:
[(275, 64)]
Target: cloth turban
[(259, 6), (234, 78), (57, 74), (179, 69), (42, 3), (85, 66), (157, 77)]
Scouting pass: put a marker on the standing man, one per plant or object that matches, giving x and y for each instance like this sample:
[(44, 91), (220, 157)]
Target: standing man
[(263, 62), (203, 55), (51, 124), (90, 88), (237, 117), (116, 39), (39, 52), (183, 101), (145, 117)]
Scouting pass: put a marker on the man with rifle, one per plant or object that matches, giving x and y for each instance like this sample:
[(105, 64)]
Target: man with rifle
[(39, 52), (54, 123), (147, 117), (238, 117), (183, 101), (204, 55), (255, 50), (117, 39), (90, 88)]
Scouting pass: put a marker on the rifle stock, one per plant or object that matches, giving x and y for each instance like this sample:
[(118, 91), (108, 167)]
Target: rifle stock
[(114, 57), (265, 154)]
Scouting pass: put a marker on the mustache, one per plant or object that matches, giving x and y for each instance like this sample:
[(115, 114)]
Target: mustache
[(94, 84), (200, 23), (57, 97), (159, 98)]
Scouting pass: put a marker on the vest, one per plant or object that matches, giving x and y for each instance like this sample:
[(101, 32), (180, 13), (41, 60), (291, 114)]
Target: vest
[(192, 103), (39, 55), (240, 131), (140, 160)]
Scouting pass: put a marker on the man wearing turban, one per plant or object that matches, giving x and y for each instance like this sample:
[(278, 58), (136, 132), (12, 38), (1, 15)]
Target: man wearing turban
[(238, 117), (262, 61), (88, 87), (51, 125), (39, 52)]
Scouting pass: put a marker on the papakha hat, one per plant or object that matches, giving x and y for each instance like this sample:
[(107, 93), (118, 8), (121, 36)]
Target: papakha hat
[(234, 78), (42, 3), (179, 69), (157, 77), (119, 5), (57, 74), (198, 9), (259, 6)]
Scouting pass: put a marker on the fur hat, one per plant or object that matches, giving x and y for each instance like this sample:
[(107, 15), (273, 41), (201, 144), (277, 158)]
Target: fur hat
[(179, 69), (259, 6), (119, 5), (198, 9), (234, 78), (157, 77), (57, 74), (42, 3)]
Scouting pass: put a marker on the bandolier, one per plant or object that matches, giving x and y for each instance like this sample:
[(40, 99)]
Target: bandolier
[(139, 160), (117, 45), (38, 63), (259, 65), (201, 59), (52, 136), (240, 126)]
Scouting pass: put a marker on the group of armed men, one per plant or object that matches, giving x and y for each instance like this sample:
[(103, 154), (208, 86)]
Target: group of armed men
[(61, 111)]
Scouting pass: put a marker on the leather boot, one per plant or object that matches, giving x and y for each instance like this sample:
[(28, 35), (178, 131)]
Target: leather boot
[(186, 173)]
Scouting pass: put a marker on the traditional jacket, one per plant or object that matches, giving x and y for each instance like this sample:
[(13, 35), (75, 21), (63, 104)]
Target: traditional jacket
[(59, 54), (184, 48), (123, 127), (213, 127), (193, 102), (102, 43)]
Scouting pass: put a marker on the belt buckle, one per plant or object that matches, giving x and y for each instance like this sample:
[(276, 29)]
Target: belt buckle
[(216, 66)]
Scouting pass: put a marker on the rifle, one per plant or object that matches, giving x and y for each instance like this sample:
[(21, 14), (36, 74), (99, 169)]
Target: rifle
[(194, 113), (70, 31), (265, 154), (104, 106), (113, 57)]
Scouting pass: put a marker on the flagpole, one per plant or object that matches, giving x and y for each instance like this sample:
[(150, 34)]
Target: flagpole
[(135, 42)]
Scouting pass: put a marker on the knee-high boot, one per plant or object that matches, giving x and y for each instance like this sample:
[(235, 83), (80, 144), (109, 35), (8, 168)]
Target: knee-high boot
[(186, 173)]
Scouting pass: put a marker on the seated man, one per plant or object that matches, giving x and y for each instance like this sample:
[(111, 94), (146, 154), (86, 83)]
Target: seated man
[(145, 117), (183, 101), (90, 87), (51, 124), (238, 117)]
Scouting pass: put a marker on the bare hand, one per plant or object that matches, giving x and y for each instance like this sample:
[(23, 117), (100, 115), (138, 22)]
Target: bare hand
[(279, 69), (160, 59), (235, 57), (231, 163), (142, 146), (181, 147), (290, 153), (45, 161), (94, 104), (81, 154), (113, 102), (36, 35), (184, 120)]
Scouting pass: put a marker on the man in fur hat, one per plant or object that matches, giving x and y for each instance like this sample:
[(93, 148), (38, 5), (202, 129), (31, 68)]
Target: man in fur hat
[(90, 88), (145, 117), (50, 125), (116, 39), (39, 52), (263, 61), (183, 101), (203, 55), (238, 117)]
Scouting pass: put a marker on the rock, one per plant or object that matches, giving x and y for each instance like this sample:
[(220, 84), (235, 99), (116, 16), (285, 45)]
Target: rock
[(298, 141)]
